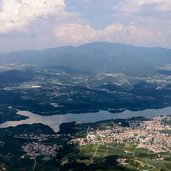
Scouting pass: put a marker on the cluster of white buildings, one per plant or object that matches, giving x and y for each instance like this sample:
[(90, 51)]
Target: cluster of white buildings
[(36, 149), (146, 134)]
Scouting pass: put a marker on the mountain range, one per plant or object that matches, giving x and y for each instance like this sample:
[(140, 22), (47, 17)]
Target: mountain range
[(95, 57)]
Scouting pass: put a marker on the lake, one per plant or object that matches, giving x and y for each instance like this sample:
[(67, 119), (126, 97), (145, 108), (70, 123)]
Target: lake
[(55, 120)]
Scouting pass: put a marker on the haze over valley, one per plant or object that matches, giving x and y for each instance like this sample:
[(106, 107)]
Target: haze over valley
[(77, 85)]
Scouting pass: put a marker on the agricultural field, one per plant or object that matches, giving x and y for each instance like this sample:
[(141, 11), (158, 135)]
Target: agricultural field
[(125, 157)]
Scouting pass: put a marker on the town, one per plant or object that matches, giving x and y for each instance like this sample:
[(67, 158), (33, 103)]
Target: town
[(37, 146), (153, 134)]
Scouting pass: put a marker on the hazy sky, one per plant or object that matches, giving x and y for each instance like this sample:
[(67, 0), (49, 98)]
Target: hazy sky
[(38, 24)]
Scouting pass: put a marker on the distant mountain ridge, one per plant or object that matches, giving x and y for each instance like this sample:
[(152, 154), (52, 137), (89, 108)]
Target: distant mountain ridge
[(94, 57)]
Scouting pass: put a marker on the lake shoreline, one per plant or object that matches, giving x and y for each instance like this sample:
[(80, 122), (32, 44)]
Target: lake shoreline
[(55, 121)]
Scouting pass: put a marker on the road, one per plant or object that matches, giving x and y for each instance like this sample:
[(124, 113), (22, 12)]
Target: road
[(96, 151)]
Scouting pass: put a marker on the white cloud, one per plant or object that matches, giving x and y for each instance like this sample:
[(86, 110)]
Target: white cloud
[(16, 15), (140, 22), (82, 33), (156, 5), (75, 33)]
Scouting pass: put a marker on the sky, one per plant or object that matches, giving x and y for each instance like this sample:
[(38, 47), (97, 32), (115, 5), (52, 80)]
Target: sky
[(40, 24)]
